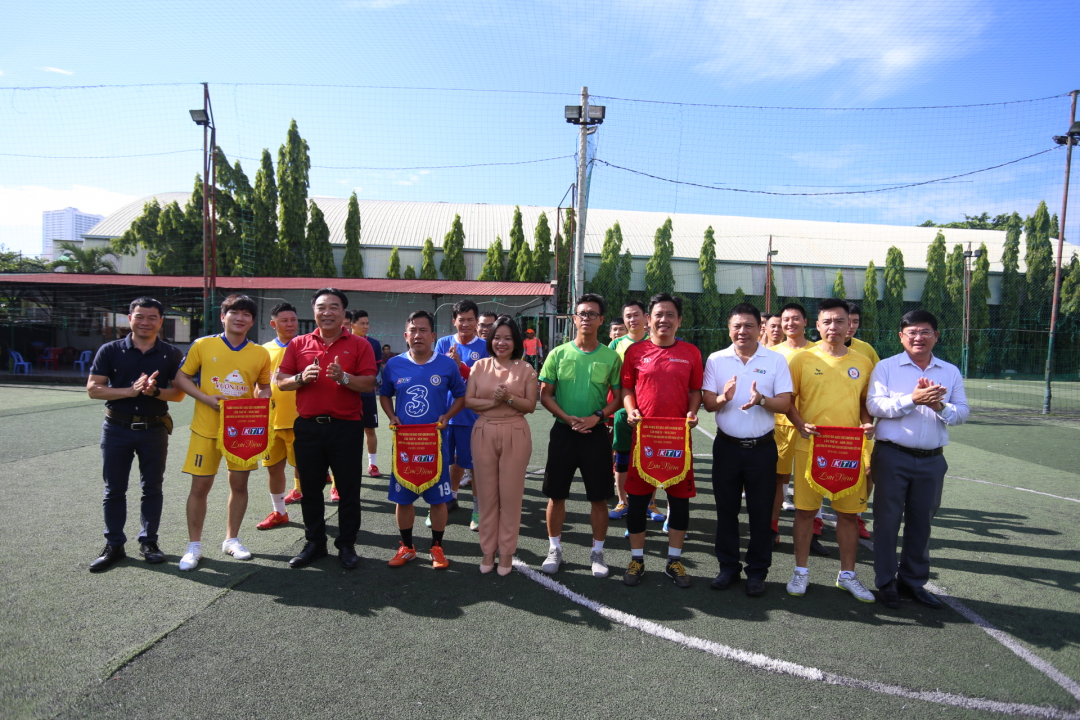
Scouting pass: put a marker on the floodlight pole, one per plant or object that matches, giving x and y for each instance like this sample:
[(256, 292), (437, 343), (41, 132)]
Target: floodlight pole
[(1070, 141), (965, 355), (768, 279), (209, 209), (579, 240)]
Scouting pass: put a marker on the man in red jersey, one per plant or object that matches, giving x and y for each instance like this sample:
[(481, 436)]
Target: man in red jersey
[(661, 378)]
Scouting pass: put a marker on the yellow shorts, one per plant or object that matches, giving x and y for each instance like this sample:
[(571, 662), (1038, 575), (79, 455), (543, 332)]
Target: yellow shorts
[(806, 498), (204, 457), (785, 435), (282, 448)]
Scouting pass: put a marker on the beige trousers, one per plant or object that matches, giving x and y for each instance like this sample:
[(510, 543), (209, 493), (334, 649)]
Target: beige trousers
[(501, 448)]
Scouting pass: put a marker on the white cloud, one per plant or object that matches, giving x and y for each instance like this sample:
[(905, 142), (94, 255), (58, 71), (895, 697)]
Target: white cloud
[(57, 70), (21, 207)]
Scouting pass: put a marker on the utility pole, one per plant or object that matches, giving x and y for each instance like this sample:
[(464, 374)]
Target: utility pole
[(205, 118), (579, 239), (768, 278), (1071, 138), (965, 355)]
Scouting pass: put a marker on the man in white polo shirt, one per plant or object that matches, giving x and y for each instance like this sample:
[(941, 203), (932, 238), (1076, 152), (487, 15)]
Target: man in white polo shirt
[(745, 385)]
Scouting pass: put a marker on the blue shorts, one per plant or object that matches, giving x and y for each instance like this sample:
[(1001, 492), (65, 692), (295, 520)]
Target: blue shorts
[(458, 443), (437, 494)]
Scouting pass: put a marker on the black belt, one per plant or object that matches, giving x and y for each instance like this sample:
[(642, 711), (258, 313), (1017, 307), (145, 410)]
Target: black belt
[(322, 419), (745, 443), (914, 452), (136, 422)]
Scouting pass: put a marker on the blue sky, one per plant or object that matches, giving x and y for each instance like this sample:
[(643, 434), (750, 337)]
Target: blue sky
[(381, 86)]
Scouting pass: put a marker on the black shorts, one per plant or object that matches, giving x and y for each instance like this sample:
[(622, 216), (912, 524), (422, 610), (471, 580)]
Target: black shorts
[(570, 451), (370, 405)]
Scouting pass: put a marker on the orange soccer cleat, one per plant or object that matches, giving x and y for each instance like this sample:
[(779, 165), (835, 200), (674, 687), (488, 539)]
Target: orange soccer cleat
[(294, 496), (373, 471), (273, 520), (863, 532), (404, 554), (335, 497), (438, 559)]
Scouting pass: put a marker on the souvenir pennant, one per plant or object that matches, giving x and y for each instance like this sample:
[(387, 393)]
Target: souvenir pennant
[(245, 433), (835, 464), (417, 456), (662, 450)]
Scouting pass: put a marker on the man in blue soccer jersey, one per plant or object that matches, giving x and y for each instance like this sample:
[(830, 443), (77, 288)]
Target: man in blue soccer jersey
[(467, 347), (429, 389)]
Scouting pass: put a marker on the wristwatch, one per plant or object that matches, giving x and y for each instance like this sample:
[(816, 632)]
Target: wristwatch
[(344, 379), (510, 400), (157, 391), (299, 378), (599, 414), (762, 401)]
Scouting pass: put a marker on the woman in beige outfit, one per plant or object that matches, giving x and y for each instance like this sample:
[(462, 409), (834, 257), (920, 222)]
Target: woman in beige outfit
[(502, 390)]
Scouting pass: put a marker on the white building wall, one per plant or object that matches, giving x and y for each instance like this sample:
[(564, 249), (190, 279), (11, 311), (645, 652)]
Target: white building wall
[(68, 225)]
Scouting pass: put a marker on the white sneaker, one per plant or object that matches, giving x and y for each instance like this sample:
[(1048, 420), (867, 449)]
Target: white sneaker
[(552, 561), (856, 588), (466, 478), (599, 567), (798, 584), (787, 505), (234, 548), (191, 558)]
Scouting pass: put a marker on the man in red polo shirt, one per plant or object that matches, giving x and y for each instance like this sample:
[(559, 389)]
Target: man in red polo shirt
[(328, 369)]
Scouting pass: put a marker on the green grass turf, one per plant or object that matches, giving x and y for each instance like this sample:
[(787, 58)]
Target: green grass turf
[(257, 639)]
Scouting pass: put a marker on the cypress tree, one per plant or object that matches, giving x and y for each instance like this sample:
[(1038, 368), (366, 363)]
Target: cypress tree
[(453, 262), (933, 295), (869, 306), (394, 271), (980, 312), (514, 259), (320, 253), (293, 170), (709, 310), (352, 265), (892, 305), (233, 216), (410, 273), (264, 218), (951, 324), (624, 276), (658, 274), (493, 270), (427, 268), (187, 235), (1070, 287), (541, 255), (838, 289), (1039, 257), (606, 279), (565, 244), (1012, 293)]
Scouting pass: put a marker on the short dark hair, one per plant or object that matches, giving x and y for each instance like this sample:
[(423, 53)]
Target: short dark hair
[(632, 303), (349, 316), (357, 314), (386, 346), (794, 306), (832, 304), (331, 291), (487, 313), (766, 317), (515, 333), (914, 317), (854, 309), (239, 303), (745, 308), (591, 298), (463, 306), (617, 321), (416, 314), (282, 307), (146, 302), (666, 297)]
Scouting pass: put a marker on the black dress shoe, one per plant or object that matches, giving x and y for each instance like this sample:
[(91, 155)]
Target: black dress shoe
[(310, 553), (348, 557), (724, 579), (817, 548), (151, 553), (755, 586), (110, 555), (921, 595), (451, 506), (888, 595)]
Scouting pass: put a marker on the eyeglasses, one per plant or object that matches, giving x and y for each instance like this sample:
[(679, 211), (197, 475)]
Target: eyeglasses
[(486, 326), (918, 334), (587, 315)]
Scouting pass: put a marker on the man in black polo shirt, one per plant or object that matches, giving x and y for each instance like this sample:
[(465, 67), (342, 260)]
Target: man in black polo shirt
[(134, 378)]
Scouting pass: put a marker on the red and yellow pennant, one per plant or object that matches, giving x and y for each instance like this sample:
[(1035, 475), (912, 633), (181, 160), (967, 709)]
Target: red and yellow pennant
[(835, 465), (417, 456), (245, 433), (662, 451)]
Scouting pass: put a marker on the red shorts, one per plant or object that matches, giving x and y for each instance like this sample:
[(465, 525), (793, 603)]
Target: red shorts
[(636, 486)]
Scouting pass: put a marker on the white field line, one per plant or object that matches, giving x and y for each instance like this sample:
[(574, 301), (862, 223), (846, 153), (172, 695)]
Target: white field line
[(1013, 487), (783, 667)]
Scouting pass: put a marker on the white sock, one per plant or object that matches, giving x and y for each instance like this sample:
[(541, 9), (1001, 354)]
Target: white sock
[(801, 570), (637, 553), (279, 502), (555, 542), (454, 494), (847, 574), (371, 458), (597, 545), (230, 541), (674, 552), (194, 547), (819, 512), (859, 514)]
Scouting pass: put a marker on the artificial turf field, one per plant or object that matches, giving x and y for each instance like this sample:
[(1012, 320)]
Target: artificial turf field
[(257, 639)]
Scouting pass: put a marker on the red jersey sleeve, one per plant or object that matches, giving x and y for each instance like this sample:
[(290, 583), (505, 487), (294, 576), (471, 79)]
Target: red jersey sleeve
[(464, 370)]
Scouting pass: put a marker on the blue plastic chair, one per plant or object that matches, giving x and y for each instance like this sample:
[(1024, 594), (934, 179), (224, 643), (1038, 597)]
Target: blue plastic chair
[(20, 363), (84, 358)]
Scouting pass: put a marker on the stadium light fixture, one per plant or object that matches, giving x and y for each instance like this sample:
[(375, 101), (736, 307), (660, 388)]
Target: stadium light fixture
[(572, 113), (1072, 137), (200, 117)]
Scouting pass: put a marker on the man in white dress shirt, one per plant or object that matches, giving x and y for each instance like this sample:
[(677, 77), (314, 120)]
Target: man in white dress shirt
[(916, 396), (745, 384)]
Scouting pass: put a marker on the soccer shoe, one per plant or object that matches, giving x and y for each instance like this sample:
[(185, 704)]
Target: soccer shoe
[(234, 548), (466, 479), (787, 505), (438, 558), (599, 567), (294, 496), (798, 584), (619, 512), (654, 513), (191, 558), (373, 471), (427, 520), (452, 505), (552, 561), (335, 496), (474, 523), (677, 573), (863, 532), (626, 533), (818, 525), (273, 520), (634, 572), (856, 588), (404, 554)]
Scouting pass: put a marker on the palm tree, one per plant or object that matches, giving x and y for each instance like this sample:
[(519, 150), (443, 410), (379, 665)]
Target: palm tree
[(77, 259)]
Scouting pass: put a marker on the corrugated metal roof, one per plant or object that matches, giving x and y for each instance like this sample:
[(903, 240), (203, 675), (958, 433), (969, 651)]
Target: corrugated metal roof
[(467, 288), (388, 223)]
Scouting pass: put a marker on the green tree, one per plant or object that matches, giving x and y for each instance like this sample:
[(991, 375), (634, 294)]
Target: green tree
[(1039, 258), (428, 270), (838, 289), (981, 337), (564, 244), (493, 270), (13, 261), (264, 218), (933, 295), (1012, 294), (320, 254), (410, 273), (78, 259), (518, 257), (892, 304), (710, 306), (171, 236), (1054, 231), (453, 246), (1070, 287), (352, 265), (606, 279), (658, 274), (541, 255), (293, 170), (394, 271), (236, 251), (625, 275), (951, 321), (868, 320)]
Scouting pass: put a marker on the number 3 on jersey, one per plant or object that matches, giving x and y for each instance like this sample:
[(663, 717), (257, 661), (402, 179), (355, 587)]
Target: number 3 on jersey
[(418, 402)]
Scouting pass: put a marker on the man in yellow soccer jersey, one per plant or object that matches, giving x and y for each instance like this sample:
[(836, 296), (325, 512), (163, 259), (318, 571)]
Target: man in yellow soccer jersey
[(830, 386), (229, 368), (285, 323)]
